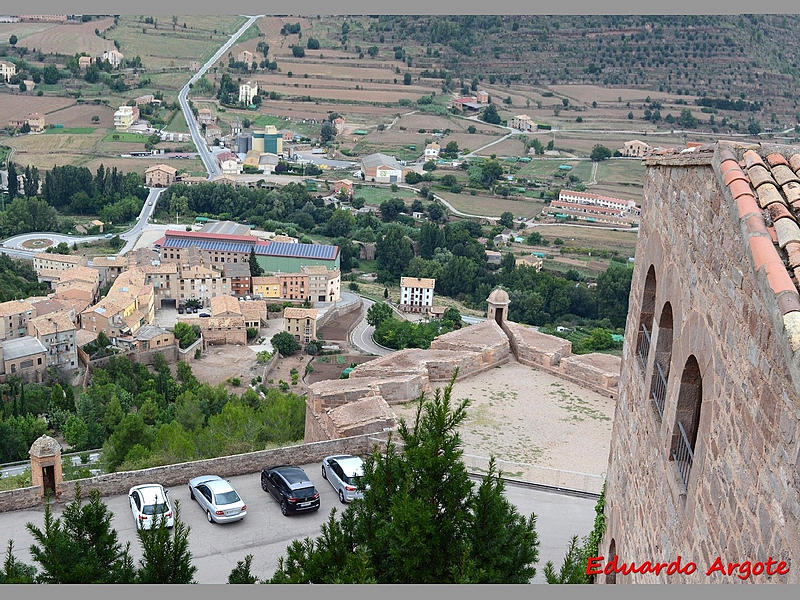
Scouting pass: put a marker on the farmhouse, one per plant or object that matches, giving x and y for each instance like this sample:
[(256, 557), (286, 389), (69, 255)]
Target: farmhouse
[(432, 151), (466, 104), (229, 163), (636, 148), (84, 62), (160, 176), (114, 57), (213, 132), (483, 97), (248, 91), (7, 70), (204, 116), (343, 186), (301, 323), (522, 123), (245, 56)]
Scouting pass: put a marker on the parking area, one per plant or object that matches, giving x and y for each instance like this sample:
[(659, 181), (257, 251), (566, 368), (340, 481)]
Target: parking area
[(266, 533)]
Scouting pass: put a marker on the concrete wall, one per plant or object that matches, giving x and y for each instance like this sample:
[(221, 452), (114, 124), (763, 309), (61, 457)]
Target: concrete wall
[(170, 475), (338, 312), (742, 500)]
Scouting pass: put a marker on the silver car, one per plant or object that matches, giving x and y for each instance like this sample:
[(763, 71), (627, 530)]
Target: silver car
[(344, 472), (217, 497)]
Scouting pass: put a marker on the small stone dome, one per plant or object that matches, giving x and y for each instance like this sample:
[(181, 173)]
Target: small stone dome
[(45, 446), (498, 296)]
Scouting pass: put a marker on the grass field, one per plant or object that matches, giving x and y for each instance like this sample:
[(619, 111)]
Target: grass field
[(491, 206), (70, 130), (68, 39), (121, 136), (177, 123), (588, 237), (376, 195), (544, 169)]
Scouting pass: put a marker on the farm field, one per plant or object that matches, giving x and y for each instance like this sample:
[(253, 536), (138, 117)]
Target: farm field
[(375, 195), (52, 38), (492, 206), (587, 237), (544, 168), (16, 106)]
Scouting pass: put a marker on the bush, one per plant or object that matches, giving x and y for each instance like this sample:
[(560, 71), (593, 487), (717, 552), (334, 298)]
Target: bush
[(236, 382), (285, 343), (252, 333), (197, 353)]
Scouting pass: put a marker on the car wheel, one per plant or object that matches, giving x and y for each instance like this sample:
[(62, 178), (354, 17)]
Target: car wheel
[(284, 508), (263, 485), (191, 494), (341, 497), (208, 516), (324, 474)]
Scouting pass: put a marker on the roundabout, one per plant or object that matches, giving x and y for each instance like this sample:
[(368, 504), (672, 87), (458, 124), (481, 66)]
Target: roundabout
[(37, 244)]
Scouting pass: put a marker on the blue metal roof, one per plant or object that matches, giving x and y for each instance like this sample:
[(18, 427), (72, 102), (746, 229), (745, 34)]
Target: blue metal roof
[(221, 246), (288, 249)]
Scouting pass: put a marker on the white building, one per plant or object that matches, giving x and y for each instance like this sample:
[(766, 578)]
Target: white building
[(416, 294), (623, 206), (248, 91), (7, 70), (114, 57), (432, 151), (522, 123)]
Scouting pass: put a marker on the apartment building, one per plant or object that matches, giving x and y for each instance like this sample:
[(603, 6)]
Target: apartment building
[(129, 304), (85, 278), (164, 279), (323, 284), (109, 268), (301, 323), (416, 294), (294, 286), (25, 357), (48, 266), (57, 332), (125, 116), (239, 275), (201, 283), (266, 287), (14, 317)]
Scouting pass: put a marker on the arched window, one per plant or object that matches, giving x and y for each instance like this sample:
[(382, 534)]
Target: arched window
[(687, 419), (646, 317), (612, 551), (658, 384)]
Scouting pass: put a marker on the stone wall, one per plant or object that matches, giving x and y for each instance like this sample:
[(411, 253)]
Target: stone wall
[(742, 499), (170, 475), (337, 312)]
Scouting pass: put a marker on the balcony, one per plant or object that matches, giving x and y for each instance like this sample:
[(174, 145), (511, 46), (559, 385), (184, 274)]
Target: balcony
[(643, 347), (683, 456)]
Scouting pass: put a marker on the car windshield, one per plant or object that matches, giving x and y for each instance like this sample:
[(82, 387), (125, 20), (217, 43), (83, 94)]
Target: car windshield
[(154, 509), (226, 498), (303, 492)]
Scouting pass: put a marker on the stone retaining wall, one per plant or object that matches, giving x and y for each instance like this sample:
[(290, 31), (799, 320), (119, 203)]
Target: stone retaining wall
[(113, 484)]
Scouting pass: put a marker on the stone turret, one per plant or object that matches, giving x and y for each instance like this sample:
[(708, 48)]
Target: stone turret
[(498, 302), (45, 456)]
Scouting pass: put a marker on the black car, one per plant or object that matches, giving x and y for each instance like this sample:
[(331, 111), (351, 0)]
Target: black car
[(291, 487)]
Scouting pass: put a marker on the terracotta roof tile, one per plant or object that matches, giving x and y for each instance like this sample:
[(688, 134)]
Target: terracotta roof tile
[(787, 231), (773, 234), (727, 165), (778, 278), (767, 194), (733, 175), (778, 210), (759, 176), (794, 162), (726, 153), (763, 251), (746, 205), (740, 188), (789, 301), (776, 159), (792, 191), (751, 157), (784, 174), (793, 250)]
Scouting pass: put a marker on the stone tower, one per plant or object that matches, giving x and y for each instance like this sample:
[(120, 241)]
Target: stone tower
[(45, 456), (705, 444), (498, 306)]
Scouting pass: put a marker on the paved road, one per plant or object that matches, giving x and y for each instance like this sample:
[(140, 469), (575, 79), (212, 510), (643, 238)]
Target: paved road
[(265, 533), (14, 248), (208, 159), (18, 469), (361, 336)]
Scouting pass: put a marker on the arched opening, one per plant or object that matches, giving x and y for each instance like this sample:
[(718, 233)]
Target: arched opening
[(658, 384), (612, 551), (498, 316), (646, 317), (687, 419)]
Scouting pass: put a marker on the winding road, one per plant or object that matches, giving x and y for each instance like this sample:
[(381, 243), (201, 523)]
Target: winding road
[(361, 335), (208, 159)]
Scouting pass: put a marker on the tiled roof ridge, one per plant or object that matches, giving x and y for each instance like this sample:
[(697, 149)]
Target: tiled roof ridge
[(767, 196)]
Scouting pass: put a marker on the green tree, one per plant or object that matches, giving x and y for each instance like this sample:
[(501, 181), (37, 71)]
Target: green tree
[(490, 115), (421, 521), (76, 433), (13, 182), (185, 334), (573, 569), (327, 132), (340, 223), (241, 572), (378, 313), (507, 219), (613, 289), (407, 79), (312, 43), (80, 546), (255, 268), (132, 430), (285, 343), (393, 252), (12, 40), (391, 208), (451, 149), (14, 571), (166, 555), (600, 152)]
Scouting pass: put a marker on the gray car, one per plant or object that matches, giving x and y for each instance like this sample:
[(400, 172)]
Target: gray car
[(343, 472), (217, 498)]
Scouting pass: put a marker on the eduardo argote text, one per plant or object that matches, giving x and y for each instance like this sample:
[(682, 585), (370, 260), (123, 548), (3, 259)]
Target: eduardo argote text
[(744, 570)]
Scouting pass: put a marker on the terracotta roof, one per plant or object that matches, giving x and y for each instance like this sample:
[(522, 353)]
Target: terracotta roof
[(299, 313), (224, 304), (418, 282), (253, 309), (80, 273), (67, 258), (165, 168), (52, 323), (766, 189), (14, 307), (265, 281)]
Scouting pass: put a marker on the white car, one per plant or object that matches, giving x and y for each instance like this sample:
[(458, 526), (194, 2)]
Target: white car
[(149, 503), (217, 498), (343, 472)]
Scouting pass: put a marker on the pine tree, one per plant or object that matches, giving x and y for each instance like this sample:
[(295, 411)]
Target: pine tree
[(166, 555), (241, 572), (15, 571), (81, 546), (573, 569), (13, 183), (420, 520), (255, 268)]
